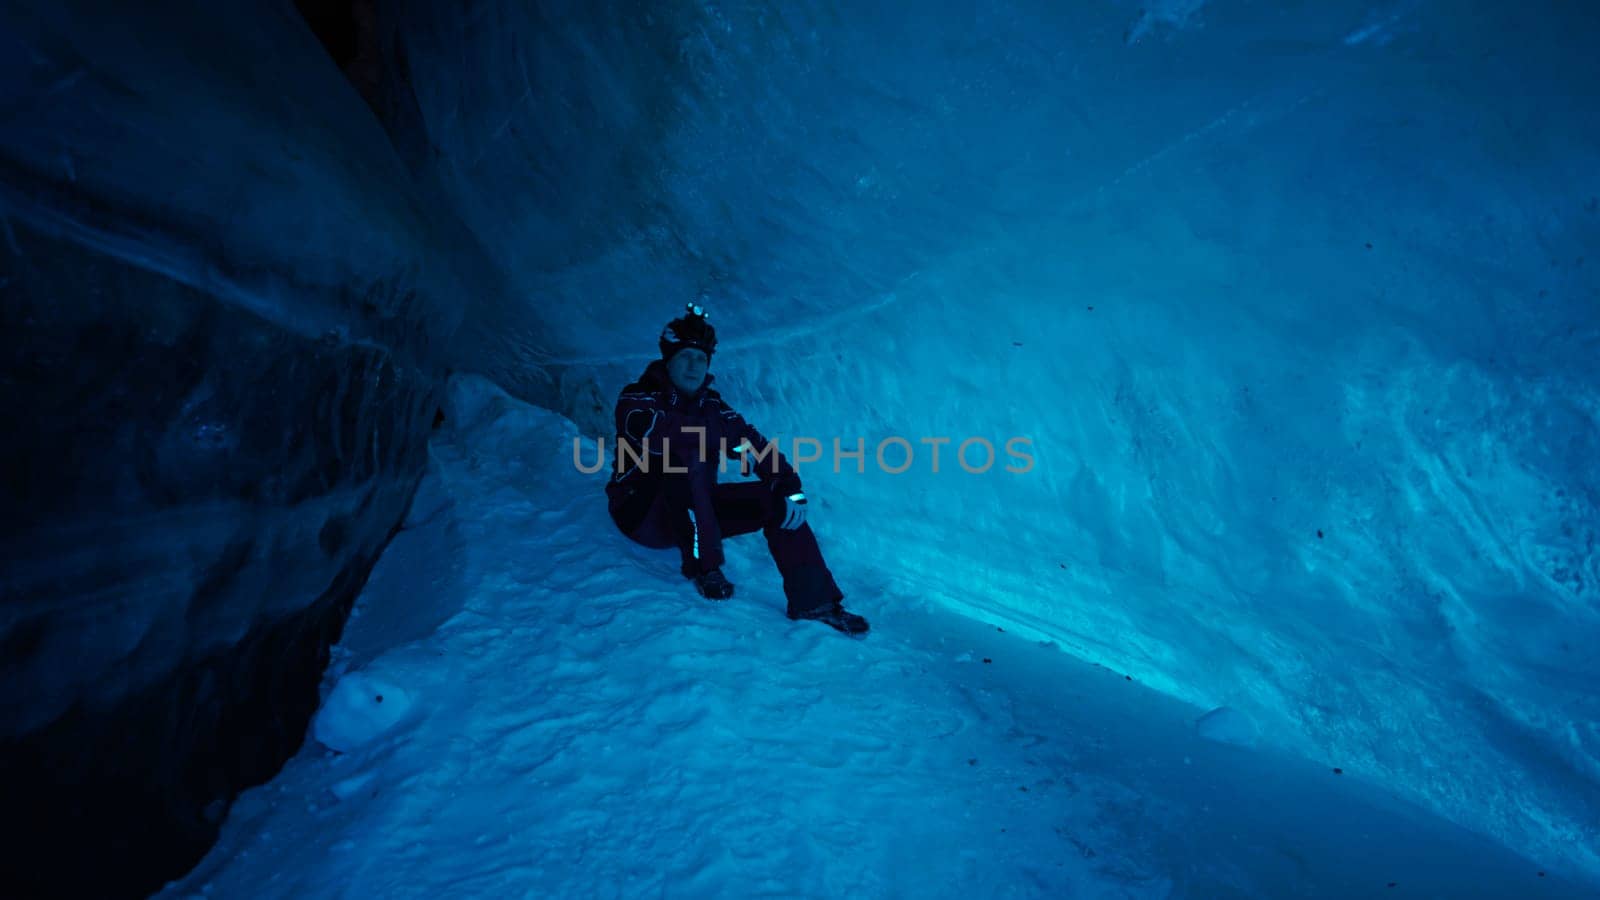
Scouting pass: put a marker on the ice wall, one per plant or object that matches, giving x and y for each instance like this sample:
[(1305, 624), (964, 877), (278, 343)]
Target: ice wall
[(1292, 300), (220, 298)]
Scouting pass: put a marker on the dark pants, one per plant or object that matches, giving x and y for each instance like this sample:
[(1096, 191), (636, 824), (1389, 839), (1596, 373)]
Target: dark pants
[(694, 513)]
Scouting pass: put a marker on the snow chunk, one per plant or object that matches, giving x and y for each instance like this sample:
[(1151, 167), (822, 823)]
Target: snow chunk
[(1226, 725), (361, 708)]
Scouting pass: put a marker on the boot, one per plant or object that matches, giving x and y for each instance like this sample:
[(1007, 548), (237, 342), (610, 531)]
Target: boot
[(711, 584), (835, 616)]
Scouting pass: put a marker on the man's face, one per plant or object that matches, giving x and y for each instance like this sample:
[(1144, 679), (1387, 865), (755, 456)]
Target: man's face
[(688, 369)]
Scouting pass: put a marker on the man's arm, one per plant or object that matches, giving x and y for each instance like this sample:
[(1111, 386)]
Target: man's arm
[(771, 466)]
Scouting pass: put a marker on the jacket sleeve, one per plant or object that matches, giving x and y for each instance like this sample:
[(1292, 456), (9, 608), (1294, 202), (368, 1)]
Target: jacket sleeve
[(771, 466)]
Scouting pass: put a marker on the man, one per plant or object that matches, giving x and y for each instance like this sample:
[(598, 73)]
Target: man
[(673, 429)]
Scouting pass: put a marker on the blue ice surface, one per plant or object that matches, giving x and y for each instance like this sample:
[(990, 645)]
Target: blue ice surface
[(584, 725), (1295, 305)]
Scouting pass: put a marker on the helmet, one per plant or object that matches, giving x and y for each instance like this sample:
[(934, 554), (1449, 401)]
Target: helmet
[(692, 329)]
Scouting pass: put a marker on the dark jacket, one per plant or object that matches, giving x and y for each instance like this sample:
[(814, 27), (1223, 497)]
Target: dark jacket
[(651, 417)]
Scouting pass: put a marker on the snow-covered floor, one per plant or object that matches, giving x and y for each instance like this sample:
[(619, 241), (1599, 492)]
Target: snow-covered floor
[(561, 716)]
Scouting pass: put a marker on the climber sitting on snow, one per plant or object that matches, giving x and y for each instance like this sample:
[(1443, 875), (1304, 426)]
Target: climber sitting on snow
[(672, 429)]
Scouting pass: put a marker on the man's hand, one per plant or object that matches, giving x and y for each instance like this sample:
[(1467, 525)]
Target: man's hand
[(794, 513)]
